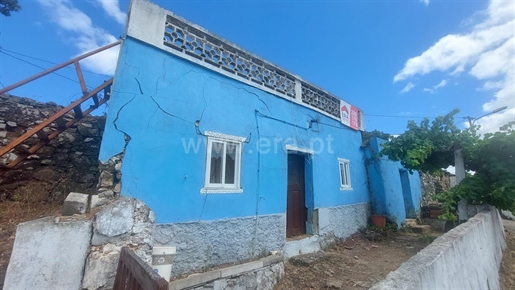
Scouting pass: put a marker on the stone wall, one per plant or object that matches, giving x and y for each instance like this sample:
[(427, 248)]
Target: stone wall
[(68, 163), (467, 257), (123, 222), (433, 184), (261, 274), (342, 221), (205, 244)]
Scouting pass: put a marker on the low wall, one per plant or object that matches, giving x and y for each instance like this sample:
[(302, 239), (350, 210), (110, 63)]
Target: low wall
[(49, 253), (261, 274), (467, 257)]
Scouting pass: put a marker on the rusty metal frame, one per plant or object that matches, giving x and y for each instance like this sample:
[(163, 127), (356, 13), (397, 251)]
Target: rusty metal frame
[(60, 66), (62, 125)]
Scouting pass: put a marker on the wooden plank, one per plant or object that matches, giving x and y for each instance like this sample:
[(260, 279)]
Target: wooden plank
[(133, 273)]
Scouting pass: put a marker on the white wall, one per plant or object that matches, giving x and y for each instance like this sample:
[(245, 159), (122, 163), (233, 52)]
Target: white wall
[(467, 257)]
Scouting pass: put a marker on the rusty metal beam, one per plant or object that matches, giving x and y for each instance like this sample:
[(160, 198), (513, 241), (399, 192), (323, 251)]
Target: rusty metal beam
[(60, 122), (57, 67), (54, 134), (82, 82), (78, 112), (42, 135), (54, 117)]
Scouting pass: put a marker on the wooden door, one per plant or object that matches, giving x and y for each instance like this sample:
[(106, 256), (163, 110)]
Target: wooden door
[(296, 211)]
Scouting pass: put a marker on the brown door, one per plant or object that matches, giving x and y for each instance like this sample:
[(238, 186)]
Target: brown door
[(296, 206)]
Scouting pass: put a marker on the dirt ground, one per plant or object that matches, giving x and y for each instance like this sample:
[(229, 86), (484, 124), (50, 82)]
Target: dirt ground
[(11, 214), (507, 270), (356, 263)]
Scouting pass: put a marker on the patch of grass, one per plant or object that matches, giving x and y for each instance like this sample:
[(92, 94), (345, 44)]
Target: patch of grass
[(426, 239)]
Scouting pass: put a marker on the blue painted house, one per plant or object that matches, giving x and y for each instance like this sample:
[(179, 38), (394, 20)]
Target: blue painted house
[(394, 191), (233, 154)]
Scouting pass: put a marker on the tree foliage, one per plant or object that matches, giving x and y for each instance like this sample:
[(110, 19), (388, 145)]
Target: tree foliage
[(366, 136), (491, 159), (429, 146), (8, 6)]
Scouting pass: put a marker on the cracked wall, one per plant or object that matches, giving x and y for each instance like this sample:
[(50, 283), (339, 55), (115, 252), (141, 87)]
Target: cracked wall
[(157, 100), (161, 106)]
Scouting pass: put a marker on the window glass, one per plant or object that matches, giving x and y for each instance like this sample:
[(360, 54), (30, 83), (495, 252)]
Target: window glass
[(344, 173), (230, 162), (217, 149)]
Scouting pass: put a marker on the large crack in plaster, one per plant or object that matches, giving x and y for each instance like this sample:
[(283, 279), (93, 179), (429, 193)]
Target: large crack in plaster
[(126, 136)]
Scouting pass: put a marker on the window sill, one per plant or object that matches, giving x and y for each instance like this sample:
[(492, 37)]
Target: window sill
[(346, 188), (221, 190)]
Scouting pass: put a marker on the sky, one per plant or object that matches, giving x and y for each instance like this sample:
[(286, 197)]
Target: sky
[(395, 60)]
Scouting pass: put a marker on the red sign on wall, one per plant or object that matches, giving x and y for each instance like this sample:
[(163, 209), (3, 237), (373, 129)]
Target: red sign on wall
[(349, 115)]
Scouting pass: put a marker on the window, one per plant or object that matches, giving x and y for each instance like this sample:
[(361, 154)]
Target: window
[(344, 173), (223, 164)]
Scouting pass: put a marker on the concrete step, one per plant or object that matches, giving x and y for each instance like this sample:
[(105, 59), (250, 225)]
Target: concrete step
[(411, 222), (421, 229)]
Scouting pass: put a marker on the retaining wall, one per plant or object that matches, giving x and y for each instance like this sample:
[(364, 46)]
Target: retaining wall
[(69, 163), (260, 274), (467, 257)]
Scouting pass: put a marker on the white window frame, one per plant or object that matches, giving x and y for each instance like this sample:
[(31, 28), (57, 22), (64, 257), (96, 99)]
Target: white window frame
[(345, 164), (222, 187)]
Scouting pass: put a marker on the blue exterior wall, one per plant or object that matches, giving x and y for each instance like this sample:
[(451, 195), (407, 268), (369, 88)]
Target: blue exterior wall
[(156, 100), (386, 186)]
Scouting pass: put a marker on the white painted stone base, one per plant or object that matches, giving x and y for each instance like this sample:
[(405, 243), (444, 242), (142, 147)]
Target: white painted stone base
[(337, 222), (210, 243), (303, 246), (343, 221)]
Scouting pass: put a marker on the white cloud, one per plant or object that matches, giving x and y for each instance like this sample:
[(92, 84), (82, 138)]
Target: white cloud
[(407, 88), (440, 85), (112, 8), (431, 91), (426, 2), (486, 52), (83, 34)]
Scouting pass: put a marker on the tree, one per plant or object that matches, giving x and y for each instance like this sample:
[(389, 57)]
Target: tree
[(8, 6), (430, 148)]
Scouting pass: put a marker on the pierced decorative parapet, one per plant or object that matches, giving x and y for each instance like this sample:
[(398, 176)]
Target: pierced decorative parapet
[(320, 100), (196, 44), (189, 40)]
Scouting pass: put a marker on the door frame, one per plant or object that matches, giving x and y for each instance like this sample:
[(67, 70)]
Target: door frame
[(307, 217)]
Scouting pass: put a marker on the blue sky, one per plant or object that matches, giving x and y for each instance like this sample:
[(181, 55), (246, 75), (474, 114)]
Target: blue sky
[(401, 59)]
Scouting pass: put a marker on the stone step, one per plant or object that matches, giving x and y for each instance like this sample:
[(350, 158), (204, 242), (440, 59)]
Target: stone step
[(411, 222), (421, 229)]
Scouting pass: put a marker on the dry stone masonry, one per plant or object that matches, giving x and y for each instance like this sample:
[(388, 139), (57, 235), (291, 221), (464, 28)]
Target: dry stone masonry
[(123, 222), (68, 163), (433, 184)]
